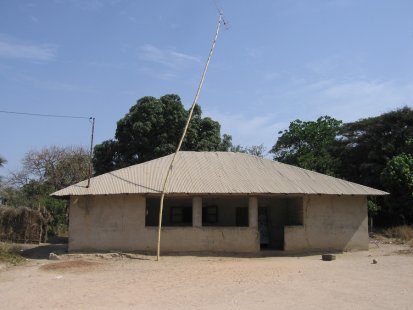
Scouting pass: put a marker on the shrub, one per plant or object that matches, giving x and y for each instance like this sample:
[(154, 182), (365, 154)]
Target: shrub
[(7, 254), (23, 224), (404, 233)]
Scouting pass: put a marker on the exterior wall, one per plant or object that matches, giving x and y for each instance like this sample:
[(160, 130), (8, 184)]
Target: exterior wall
[(330, 222), (117, 222)]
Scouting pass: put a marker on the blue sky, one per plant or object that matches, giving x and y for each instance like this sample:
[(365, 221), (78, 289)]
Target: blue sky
[(279, 61)]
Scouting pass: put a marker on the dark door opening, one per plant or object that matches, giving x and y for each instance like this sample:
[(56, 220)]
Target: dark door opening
[(263, 227), (273, 215), (271, 222)]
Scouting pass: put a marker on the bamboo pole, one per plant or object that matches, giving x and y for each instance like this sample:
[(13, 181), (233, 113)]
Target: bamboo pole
[(165, 181), (91, 152)]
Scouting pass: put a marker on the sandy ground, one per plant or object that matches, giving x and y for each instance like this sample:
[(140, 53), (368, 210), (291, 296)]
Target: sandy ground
[(352, 281)]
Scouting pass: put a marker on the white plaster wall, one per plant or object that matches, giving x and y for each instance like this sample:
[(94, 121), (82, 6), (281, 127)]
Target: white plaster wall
[(118, 223), (105, 222), (330, 222)]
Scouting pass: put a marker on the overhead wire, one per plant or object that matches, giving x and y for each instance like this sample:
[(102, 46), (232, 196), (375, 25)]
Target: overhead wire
[(46, 115), (90, 118)]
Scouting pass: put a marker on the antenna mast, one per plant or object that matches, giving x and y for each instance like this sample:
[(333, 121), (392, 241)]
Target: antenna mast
[(91, 151), (165, 181)]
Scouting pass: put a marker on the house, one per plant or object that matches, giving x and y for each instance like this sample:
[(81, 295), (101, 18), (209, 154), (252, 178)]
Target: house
[(219, 202)]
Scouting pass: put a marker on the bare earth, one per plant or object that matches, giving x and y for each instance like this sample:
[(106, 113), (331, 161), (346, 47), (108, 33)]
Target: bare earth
[(352, 281)]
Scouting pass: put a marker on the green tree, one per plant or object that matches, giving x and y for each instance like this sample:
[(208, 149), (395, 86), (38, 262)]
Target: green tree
[(151, 129), (309, 144), (367, 145), (397, 178)]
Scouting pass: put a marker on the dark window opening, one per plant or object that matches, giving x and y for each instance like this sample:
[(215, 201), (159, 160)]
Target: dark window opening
[(209, 215), (241, 216), (176, 212), (225, 211), (181, 216)]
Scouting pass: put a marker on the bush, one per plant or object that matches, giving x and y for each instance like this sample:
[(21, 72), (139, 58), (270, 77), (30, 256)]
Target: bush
[(404, 232), (23, 224), (7, 254)]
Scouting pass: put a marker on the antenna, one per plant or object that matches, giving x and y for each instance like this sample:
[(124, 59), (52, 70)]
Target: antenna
[(220, 11)]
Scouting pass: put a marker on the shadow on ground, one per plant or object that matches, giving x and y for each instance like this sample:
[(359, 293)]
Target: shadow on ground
[(43, 251)]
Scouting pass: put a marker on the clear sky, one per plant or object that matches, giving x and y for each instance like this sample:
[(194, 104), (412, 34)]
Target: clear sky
[(279, 61)]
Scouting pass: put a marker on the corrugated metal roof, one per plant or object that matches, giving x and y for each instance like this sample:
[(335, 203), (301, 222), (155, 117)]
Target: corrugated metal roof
[(216, 173)]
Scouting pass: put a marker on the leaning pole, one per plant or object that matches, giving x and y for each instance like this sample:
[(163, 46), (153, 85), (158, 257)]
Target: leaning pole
[(168, 172)]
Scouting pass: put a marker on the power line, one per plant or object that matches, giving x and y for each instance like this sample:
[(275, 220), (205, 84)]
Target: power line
[(91, 119), (45, 115)]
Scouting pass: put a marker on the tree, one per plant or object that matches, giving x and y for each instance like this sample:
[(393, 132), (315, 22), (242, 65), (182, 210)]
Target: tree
[(44, 172), (151, 129), (367, 145), (309, 144), (397, 178), (256, 150), (374, 151), (2, 161), (53, 167)]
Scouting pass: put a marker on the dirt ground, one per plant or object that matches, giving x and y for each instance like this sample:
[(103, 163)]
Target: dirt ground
[(113, 281)]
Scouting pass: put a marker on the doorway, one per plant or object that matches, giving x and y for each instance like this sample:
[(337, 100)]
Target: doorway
[(273, 215)]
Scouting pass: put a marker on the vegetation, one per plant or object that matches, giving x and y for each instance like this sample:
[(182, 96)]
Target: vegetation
[(23, 224), (2, 162), (375, 151), (397, 178), (403, 233), (152, 129), (44, 172), (309, 145), (367, 145), (256, 150), (8, 255)]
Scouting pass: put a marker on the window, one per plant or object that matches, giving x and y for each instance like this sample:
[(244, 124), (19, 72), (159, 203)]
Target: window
[(209, 215), (181, 216), (241, 216), (176, 212), (225, 211)]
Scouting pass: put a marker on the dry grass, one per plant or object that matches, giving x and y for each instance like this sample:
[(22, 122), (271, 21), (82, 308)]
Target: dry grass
[(72, 264), (403, 233), (8, 255), (23, 224)]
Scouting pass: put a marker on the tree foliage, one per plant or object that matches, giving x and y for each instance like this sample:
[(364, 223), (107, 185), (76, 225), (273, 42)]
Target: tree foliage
[(368, 144), (309, 144), (397, 178), (256, 150), (151, 129), (44, 172), (375, 151), (2, 161)]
